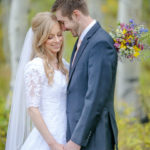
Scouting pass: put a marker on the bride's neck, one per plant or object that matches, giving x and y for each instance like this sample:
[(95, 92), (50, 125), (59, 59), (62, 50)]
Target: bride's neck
[(54, 62)]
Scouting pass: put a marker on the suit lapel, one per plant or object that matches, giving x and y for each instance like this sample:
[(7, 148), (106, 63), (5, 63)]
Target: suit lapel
[(79, 53), (74, 49), (81, 49)]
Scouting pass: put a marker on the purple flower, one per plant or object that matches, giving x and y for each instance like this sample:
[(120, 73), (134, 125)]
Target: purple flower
[(145, 30), (132, 26), (141, 30), (126, 27), (129, 29), (131, 21)]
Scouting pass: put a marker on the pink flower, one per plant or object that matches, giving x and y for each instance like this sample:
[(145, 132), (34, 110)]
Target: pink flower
[(118, 40), (117, 45), (139, 46), (142, 46)]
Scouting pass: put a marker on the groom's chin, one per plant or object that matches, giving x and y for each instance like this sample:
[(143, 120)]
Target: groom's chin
[(74, 35)]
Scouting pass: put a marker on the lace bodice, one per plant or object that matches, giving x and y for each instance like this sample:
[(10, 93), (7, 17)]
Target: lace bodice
[(36, 82)]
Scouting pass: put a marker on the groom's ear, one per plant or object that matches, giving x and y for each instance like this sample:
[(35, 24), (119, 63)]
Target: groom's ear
[(76, 14)]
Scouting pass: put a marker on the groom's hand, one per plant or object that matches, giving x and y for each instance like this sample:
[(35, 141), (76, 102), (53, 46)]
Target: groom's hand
[(72, 146)]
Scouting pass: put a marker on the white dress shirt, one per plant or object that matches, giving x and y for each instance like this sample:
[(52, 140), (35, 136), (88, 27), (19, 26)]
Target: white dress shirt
[(87, 29)]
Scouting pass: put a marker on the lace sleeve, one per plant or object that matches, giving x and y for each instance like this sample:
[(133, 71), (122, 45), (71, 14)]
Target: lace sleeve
[(66, 64), (33, 83)]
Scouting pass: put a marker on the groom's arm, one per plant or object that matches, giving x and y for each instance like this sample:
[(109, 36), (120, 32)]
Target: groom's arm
[(99, 86)]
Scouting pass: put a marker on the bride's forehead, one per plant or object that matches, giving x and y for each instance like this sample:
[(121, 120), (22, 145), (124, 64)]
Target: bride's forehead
[(55, 29)]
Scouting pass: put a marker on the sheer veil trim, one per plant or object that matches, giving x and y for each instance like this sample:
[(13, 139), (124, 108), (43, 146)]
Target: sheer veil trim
[(19, 122)]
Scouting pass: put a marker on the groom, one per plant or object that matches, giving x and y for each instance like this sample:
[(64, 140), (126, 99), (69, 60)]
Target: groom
[(91, 121)]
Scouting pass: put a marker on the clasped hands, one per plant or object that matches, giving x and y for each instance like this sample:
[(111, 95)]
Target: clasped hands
[(68, 146)]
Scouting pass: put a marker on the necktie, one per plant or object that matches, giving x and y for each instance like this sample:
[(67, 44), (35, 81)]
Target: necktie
[(78, 45)]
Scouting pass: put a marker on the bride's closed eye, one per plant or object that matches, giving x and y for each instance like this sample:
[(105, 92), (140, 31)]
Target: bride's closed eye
[(50, 37), (59, 34)]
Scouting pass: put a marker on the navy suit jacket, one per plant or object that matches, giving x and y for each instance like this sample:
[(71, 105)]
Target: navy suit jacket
[(90, 93)]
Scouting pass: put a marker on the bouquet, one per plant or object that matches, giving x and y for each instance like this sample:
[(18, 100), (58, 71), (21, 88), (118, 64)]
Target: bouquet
[(128, 40)]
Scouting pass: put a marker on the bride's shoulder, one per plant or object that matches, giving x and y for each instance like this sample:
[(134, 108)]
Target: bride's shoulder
[(34, 64)]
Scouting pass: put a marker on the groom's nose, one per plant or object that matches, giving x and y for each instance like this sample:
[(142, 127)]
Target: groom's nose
[(63, 27)]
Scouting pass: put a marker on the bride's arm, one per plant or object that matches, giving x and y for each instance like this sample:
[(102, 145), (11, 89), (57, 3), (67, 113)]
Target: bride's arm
[(41, 126)]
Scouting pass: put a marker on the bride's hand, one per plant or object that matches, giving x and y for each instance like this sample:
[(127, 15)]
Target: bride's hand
[(57, 146)]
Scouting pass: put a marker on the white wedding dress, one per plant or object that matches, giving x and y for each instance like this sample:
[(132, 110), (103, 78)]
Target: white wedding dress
[(51, 101)]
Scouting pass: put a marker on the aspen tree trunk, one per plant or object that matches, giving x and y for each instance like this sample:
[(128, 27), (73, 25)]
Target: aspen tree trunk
[(128, 73), (17, 30), (95, 11)]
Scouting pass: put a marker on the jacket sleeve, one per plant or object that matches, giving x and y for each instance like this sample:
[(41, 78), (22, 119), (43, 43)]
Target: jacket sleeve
[(100, 67)]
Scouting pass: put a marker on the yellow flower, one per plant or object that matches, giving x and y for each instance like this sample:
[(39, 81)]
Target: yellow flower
[(124, 31), (123, 41), (136, 48), (136, 54), (123, 45), (129, 38)]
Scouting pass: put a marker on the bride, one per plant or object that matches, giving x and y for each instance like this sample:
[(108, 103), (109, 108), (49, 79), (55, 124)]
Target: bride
[(40, 89)]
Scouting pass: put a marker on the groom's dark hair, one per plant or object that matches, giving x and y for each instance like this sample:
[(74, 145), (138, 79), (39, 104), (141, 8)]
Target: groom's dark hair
[(68, 6)]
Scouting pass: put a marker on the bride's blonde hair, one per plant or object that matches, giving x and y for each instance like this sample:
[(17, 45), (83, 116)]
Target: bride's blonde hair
[(42, 24)]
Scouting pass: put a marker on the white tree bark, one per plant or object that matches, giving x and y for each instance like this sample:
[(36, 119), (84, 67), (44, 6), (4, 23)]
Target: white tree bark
[(95, 11), (16, 32), (128, 73), (17, 29)]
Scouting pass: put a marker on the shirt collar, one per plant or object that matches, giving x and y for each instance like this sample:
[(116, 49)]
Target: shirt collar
[(85, 31)]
